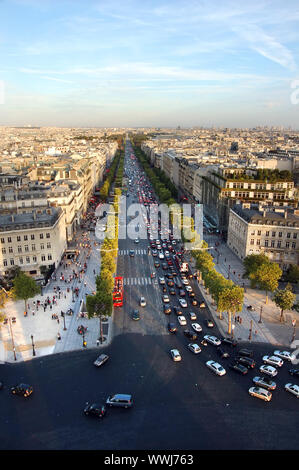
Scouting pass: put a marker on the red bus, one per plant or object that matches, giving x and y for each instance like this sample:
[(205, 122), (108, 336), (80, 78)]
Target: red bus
[(117, 294)]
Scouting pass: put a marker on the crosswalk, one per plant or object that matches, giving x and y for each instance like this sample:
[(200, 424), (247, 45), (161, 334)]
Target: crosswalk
[(134, 281), (137, 252)]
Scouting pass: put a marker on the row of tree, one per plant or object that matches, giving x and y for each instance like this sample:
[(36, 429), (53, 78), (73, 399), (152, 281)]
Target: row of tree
[(265, 275), (227, 296), (114, 176)]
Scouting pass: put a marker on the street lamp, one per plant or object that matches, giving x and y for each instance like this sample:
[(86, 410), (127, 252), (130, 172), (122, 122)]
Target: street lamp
[(261, 311), (12, 340), (250, 331), (294, 330), (33, 350), (63, 316)]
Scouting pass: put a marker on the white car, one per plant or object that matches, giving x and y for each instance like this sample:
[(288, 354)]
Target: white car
[(283, 355), (166, 253), (183, 303), (292, 389), (261, 393), (188, 288), (269, 370), (196, 327), (142, 302), (165, 299), (216, 367), (182, 320), (185, 282), (212, 340), (273, 360), (194, 348), (175, 354), (161, 256), (161, 280), (192, 316)]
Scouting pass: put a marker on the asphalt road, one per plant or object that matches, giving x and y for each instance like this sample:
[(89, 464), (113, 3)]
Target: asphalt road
[(176, 405)]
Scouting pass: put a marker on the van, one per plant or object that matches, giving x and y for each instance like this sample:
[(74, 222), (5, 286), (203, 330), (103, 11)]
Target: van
[(120, 400)]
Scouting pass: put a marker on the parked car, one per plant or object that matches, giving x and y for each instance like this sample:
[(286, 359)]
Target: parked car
[(142, 302), (238, 368), (229, 342), (265, 382), (172, 328), (246, 361), (193, 347), (261, 393), (269, 370), (100, 360), (294, 372), (283, 355), (190, 335), (175, 354), (22, 389), (273, 360), (216, 367), (212, 340), (245, 352), (135, 315), (196, 327), (294, 389), (120, 400), (223, 354), (94, 409)]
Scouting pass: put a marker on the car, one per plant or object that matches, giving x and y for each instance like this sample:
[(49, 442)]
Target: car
[(229, 342), (250, 307), (246, 361), (165, 298), (94, 409), (142, 302), (164, 266), (202, 305), (161, 255), (182, 293), (135, 315), (269, 370), (172, 291), (188, 289), (212, 340), (169, 275), (157, 264), (132, 253), (22, 389), (185, 281), (273, 360), (294, 372), (260, 392), (167, 309), (172, 328), (216, 367), (100, 360), (196, 327), (175, 354), (182, 320), (194, 302), (294, 389), (191, 294), (264, 382), (120, 400), (192, 316), (223, 354), (183, 303), (170, 283), (193, 347), (177, 310), (209, 323), (245, 352), (190, 335), (136, 240), (154, 253), (283, 355), (238, 368)]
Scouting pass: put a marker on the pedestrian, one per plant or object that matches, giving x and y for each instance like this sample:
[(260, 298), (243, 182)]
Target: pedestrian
[(57, 319)]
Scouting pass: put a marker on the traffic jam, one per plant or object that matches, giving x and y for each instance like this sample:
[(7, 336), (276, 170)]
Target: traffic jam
[(187, 311)]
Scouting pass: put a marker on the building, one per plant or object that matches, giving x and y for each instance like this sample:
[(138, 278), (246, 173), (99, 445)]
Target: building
[(35, 241), (256, 229)]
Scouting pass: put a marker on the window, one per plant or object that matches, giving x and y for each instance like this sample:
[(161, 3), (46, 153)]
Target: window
[(48, 245), (294, 235), (280, 234), (288, 235), (293, 244), (41, 236), (21, 261), (47, 235), (252, 241), (32, 237), (272, 243), (25, 238), (2, 240), (10, 249), (287, 244), (3, 251), (27, 259), (19, 249), (33, 247), (42, 246), (12, 262), (267, 234), (258, 242), (273, 234), (259, 232), (5, 262), (49, 257), (18, 238), (34, 259), (279, 244), (43, 258), (266, 242), (9, 240)]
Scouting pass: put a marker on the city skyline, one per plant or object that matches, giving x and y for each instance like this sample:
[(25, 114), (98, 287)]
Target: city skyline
[(127, 64)]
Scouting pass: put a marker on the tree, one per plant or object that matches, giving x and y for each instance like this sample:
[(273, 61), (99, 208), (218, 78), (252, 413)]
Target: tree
[(266, 277), (100, 304), (231, 300), (24, 287), (284, 299), (293, 274), (252, 262)]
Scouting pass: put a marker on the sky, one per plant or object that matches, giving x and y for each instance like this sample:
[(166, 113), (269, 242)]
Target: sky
[(144, 63)]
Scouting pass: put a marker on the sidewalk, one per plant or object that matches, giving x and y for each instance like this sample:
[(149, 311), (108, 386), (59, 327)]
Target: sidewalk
[(43, 328), (250, 329)]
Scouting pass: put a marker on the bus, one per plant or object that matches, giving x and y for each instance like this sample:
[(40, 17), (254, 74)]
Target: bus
[(118, 292)]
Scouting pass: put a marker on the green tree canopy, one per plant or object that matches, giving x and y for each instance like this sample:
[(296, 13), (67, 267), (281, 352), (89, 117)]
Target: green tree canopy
[(24, 287), (284, 299)]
